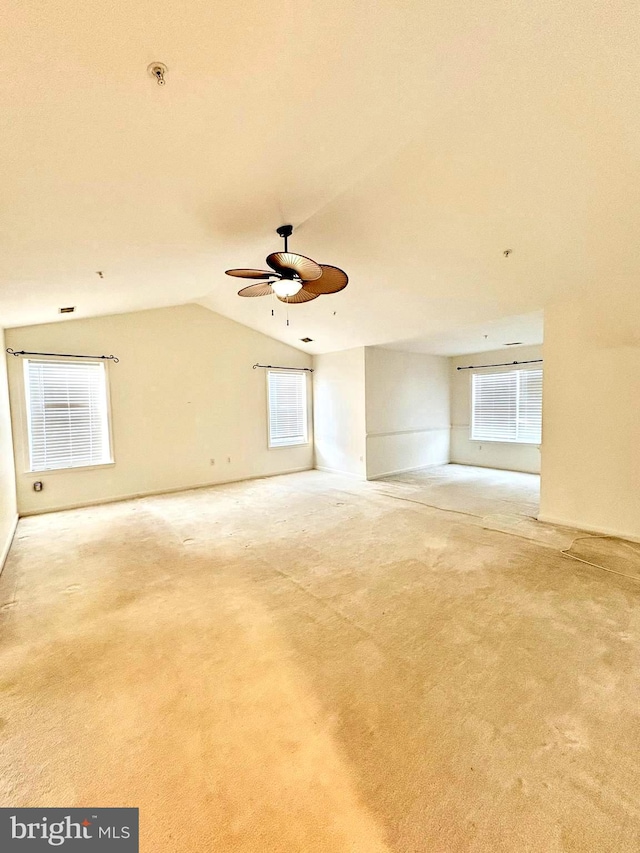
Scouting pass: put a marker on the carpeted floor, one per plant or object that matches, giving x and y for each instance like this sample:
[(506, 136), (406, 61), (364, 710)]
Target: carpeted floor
[(312, 664)]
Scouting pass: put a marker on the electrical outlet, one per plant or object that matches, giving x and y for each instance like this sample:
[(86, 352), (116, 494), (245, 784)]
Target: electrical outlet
[(37, 486), (212, 461), (228, 459)]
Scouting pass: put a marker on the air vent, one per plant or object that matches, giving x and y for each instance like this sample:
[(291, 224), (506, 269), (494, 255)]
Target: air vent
[(514, 344), (67, 310), (306, 340)]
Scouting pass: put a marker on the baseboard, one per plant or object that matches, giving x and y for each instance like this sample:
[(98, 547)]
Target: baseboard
[(7, 545), (342, 473), (408, 470), (587, 528), (493, 467), (156, 492)]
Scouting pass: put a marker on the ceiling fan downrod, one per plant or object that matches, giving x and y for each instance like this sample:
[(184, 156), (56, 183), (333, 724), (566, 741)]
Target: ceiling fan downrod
[(285, 231)]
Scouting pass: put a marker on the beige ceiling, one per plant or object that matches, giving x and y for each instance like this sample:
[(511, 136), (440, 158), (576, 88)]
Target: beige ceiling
[(409, 142), (522, 329)]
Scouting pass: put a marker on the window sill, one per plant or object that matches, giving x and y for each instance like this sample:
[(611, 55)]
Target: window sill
[(505, 441), (48, 471), (288, 446)]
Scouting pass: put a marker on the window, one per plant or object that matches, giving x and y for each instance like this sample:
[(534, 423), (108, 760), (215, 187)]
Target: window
[(287, 408), (507, 406), (67, 414)]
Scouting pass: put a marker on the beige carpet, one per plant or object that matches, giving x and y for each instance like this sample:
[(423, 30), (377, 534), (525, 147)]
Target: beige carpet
[(311, 664)]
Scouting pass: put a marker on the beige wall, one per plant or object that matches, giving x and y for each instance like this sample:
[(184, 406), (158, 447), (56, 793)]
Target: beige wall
[(183, 393), (339, 412), (489, 454), (407, 411), (8, 508), (591, 416)]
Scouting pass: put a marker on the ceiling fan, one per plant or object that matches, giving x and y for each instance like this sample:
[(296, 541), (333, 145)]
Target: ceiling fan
[(293, 278)]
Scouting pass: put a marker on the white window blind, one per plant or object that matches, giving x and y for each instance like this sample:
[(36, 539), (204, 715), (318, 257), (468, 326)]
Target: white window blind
[(507, 406), (67, 414), (287, 408)]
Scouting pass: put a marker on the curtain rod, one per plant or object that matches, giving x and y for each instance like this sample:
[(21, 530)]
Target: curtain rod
[(504, 364), (63, 355), (275, 367)]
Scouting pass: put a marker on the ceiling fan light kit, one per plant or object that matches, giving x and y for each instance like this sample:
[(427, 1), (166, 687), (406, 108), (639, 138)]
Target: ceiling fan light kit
[(286, 287), (293, 278)]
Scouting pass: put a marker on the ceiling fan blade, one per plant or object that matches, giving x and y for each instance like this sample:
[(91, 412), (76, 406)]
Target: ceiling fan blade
[(249, 273), (289, 262), (256, 290), (302, 295), (332, 280)]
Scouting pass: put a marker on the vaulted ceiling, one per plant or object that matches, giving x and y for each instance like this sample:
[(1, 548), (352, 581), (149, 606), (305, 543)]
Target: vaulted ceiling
[(410, 143)]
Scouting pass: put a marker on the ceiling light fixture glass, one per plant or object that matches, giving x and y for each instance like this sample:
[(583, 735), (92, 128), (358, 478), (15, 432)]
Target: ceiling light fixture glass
[(286, 287)]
